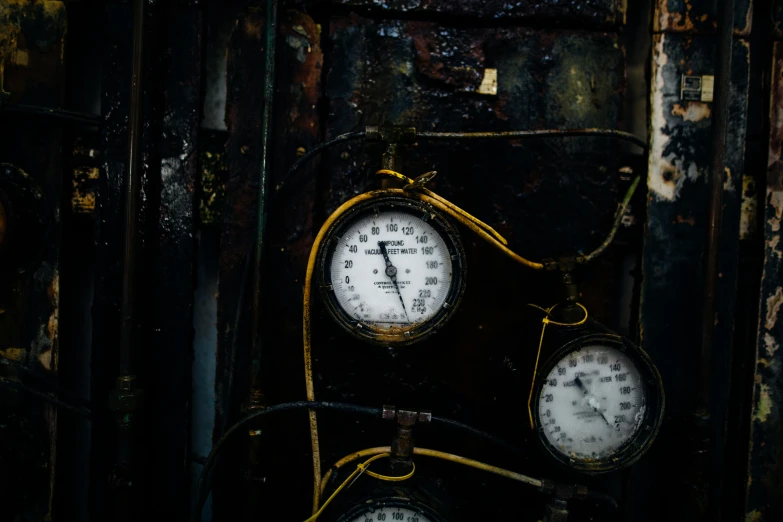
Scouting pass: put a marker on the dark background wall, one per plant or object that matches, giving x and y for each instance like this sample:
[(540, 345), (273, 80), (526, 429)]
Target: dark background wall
[(343, 65)]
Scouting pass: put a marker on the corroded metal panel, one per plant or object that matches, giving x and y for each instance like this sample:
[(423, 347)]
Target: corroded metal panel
[(177, 67), (32, 41), (699, 16), (765, 463), (596, 13), (421, 74), (296, 130), (678, 183)]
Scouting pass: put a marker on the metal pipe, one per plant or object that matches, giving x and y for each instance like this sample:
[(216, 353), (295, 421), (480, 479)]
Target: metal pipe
[(256, 393), (715, 203), (132, 194), (554, 133), (48, 112)]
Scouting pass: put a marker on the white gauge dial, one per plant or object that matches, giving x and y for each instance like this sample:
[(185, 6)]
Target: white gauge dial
[(391, 270), (390, 514), (592, 403)]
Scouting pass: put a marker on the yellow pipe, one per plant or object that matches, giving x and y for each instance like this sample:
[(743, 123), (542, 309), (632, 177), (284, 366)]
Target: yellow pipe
[(307, 338), (435, 454), (427, 196)]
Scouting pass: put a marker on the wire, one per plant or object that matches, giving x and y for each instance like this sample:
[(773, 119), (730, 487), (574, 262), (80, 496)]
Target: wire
[(201, 493), (549, 133), (287, 406), (362, 468), (490, 235), (307, 335), (16, 385), (435, 454), (315, 150), (544, 322), (618, 219)]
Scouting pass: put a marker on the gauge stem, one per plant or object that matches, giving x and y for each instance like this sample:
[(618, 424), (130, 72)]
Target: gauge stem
[(391, 271)]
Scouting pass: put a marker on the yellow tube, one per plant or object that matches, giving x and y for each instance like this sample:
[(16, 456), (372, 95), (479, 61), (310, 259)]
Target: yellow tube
[(424, 452), (483, 230), (306, 334)]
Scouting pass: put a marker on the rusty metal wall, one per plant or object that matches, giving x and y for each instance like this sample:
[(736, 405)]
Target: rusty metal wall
[(343, 65), (340, 69), (679, 180), (764, 482), (32, 40)]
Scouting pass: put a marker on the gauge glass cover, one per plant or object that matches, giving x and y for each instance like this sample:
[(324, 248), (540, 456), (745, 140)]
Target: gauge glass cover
[(598, 403), (394, 269), (390, 514)]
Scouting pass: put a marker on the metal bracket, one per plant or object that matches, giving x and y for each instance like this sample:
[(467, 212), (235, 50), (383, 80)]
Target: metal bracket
[(402, 443), (392, 135)]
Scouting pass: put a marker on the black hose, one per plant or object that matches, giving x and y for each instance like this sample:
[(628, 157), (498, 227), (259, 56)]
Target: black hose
[(201, 494), (17, 385), (476, 432), (315, 150)]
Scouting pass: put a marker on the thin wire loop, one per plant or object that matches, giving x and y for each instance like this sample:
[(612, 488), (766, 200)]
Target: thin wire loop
[(361, 469), (544, 322)]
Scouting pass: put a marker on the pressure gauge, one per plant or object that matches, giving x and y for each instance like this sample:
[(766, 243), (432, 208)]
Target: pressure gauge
[(392, 270), (392, 509), (598, 403)]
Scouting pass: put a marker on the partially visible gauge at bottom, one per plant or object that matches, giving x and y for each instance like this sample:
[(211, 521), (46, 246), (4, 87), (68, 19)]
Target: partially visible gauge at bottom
[(391, 509), (598, 403)]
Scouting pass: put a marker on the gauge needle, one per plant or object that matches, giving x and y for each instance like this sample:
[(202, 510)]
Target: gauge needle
[(391, 271), (591, 401)]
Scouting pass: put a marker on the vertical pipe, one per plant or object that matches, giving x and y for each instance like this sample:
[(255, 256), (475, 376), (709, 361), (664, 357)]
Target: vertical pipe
[(256, 393), (715, 203), (132, 192), (713, 466)]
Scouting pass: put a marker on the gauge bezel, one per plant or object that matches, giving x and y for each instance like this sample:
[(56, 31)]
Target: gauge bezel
[(400, 336), (403, 502), (633, 449)]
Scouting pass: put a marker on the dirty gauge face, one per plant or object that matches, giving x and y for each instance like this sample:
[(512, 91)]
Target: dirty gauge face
[(598, 407), (392, 270)]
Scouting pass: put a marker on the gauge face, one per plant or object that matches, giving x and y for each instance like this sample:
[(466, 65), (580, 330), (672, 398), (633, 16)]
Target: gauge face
[(389, 514), (393, 270), (392, 509), (598, 405)]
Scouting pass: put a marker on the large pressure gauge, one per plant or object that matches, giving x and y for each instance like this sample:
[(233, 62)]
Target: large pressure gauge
[(598, 403), (392, 509), (392, 270)]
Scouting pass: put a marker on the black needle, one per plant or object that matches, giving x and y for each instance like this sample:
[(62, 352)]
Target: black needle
[(391, 271), (581, 385)]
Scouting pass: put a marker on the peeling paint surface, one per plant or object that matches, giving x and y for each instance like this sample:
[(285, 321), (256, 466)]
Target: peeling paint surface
[(765, 462), (679, 178), (699, 16), (593, 13)]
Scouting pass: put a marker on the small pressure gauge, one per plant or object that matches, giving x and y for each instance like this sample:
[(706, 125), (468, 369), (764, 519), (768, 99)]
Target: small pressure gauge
[(597, 403), (391, 509), (391, 270)]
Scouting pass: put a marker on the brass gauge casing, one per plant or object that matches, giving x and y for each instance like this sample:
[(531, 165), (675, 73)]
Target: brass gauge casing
[(597, 403), (391, 270)]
